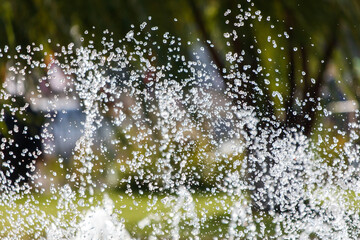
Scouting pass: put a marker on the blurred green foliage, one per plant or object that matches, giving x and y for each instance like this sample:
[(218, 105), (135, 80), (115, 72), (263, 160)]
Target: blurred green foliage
[(325, 32)]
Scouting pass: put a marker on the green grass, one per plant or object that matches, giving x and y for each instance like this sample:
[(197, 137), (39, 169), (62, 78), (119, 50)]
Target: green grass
[(212, 212)]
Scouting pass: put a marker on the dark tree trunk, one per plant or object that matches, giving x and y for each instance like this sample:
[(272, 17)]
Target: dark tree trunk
[(21, 144)]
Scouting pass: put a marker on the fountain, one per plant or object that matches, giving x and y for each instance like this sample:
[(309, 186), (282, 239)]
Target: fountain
[(171, 152)]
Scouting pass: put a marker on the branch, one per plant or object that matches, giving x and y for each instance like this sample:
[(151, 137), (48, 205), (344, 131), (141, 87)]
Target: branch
[(314, 90), (292, 84), (201, 25)]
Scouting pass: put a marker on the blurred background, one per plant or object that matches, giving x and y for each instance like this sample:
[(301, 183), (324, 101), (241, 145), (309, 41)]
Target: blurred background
[(315, 59)]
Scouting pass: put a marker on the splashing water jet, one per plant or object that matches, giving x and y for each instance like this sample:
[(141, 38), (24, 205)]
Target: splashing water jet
[(178, 147)]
